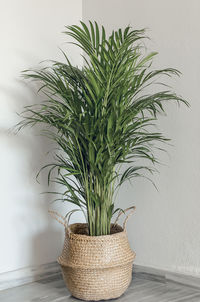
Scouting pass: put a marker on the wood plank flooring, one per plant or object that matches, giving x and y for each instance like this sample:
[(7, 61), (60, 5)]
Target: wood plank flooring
[(144, 287)]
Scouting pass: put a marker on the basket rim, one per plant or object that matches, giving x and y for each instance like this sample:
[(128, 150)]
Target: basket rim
[(100, 237), (101, 241)]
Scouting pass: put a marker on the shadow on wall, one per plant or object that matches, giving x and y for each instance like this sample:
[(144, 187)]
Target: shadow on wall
[(35, 237), (47, 239)]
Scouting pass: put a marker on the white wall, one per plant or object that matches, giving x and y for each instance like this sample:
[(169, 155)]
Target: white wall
[(30, 32), (165, 231)]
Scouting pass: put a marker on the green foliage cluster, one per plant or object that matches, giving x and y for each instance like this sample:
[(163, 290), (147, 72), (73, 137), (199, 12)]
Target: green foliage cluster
[(100, 116)]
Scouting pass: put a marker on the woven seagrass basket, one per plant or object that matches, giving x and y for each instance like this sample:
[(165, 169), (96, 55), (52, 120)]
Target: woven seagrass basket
[(96, 267)]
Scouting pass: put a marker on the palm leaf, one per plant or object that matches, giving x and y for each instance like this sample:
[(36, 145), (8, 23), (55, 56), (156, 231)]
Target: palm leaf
[(101, 117)]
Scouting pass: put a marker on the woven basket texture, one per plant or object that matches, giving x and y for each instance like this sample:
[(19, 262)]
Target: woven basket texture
[(96, 267)]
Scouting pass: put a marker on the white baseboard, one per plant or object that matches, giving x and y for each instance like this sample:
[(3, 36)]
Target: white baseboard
[(31, 274), (164, 275), (28, 275)]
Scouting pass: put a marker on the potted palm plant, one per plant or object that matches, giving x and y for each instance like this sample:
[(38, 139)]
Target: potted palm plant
[(101, 117)]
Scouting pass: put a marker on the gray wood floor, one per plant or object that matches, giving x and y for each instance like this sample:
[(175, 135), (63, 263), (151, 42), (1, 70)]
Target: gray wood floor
[(144, 287)]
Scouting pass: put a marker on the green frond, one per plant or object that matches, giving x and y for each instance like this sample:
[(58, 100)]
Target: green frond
[(100, 116)]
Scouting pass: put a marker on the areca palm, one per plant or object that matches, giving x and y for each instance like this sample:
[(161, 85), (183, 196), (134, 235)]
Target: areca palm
[(100, 116)]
